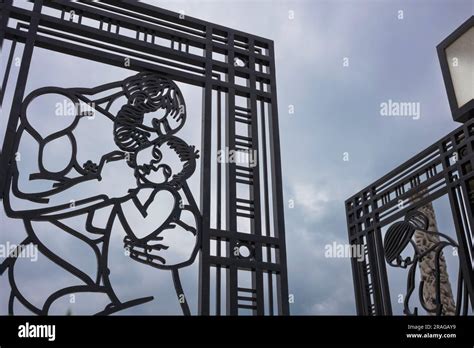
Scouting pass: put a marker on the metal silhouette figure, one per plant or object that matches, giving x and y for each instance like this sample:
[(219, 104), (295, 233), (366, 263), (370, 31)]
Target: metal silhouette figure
[(398, 238), (140, 147), (241, 229)]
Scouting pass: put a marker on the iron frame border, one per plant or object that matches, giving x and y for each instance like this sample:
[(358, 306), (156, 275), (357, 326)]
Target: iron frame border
[(37, 22), (377, 205)]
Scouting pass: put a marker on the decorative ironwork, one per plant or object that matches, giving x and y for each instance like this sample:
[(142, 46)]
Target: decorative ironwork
[(443, 169), (398, 237), (146, 93), (161, 49)]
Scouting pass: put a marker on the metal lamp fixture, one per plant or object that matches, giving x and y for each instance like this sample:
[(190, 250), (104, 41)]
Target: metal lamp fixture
[(456, 55)]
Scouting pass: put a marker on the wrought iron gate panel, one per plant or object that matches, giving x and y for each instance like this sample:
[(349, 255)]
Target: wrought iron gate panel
[(239, 114), (444, 168)]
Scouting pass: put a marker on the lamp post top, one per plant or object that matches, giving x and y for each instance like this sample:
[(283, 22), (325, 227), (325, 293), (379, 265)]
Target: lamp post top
[(456, 56)]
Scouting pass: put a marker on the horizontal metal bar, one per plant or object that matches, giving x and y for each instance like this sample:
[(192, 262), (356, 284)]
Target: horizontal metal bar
[(97, 13), (111, 38), (244, 182), (246, 298), (196, 39), (241, 137), (242, 207), (245, 121), (189, 21), (409, 163), (400, 213), (243, 145), (440, 180), (243, 175), (243, 109), (246, 237), (133, 43), (175, 28), (244, 201), (244, 264), (250, 216), (245, 169), (247, 290), (240, 114), (135, 64), (120, 50)]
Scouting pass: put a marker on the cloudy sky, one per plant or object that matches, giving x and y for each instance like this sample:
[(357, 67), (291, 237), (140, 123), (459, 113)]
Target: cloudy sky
[(337, 61)]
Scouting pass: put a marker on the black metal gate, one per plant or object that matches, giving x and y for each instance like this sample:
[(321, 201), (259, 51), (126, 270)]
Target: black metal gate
[(443, 169), (236, 72)]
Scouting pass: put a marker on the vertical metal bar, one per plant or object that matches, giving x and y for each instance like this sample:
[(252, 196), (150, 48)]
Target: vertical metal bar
[(219, 203), (382, 273), (356, 273), (5, 9), (385, 288), (279, 220), (364, 303), (466, 262), (375, 273), (7, 71), (266, 201), (8, 143), (204, 263), (138, 31), (456, 210), (230, 178), (265, 169), (257, 273)]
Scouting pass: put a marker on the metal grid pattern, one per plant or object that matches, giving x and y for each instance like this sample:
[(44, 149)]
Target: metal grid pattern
[(236, 71), (444, 168)]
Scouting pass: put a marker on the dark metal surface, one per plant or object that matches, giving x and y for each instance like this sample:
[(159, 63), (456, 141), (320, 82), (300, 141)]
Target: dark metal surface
[(145, 93), (398, 237), (164, 48), (443, 169)]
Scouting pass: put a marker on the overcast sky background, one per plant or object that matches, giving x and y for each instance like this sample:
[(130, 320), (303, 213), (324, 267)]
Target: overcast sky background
[(337, 110)]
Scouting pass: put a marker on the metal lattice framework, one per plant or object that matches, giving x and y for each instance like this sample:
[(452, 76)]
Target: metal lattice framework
[(444, 168), (236, 72), (398, 237)]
